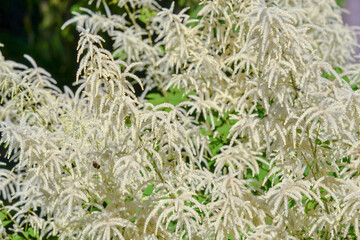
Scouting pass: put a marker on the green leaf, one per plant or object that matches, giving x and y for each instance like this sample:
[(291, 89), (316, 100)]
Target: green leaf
[(224, 129), (211, 163), (340, 3), (174, 99), (262, 174), (194, 13), (155, 98), (200, 199), (16, 237), (215, 145), (26, 234), (3, 215), (148, 190), (75, 8), (133, 219), (309, 206), (176, 96), (4, 223), (120, 54)]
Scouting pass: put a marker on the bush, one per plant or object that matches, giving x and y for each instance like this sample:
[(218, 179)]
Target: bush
[(252, 134)]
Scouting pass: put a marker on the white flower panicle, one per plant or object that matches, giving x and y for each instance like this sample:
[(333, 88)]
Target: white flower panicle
[(266, 145)]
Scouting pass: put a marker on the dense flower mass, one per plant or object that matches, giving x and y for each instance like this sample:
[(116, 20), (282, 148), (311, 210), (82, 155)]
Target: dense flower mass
[(258, 138)]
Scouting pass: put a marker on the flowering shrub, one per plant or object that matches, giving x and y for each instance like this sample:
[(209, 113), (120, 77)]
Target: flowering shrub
[(254, 133)]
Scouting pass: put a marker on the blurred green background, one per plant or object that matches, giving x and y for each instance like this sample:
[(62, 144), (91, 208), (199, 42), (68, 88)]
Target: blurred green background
[(33, 27)]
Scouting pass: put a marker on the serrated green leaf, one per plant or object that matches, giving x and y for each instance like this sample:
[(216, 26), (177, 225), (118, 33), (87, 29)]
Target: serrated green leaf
[(175, 99)]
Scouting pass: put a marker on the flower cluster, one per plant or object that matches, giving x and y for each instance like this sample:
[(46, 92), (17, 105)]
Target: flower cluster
[(264, 146)]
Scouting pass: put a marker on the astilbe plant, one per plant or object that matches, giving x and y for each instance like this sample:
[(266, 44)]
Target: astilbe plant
[(275, 81)]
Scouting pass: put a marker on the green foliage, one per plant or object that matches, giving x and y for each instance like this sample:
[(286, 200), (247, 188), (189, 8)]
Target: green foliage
[(341, 3), (27, 234), (173, 96), (148, 190), (146, 15)]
